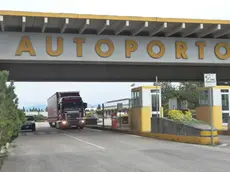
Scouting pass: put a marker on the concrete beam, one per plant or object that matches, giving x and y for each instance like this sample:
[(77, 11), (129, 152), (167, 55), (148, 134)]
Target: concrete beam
[(123, 27), (107, 23), (44, 24), (2, 23), (65, 25), (23, 24), (209, 31), (87, 22), (222, 33), (145, 25), (193, 30), (176, 29), (159, 29)]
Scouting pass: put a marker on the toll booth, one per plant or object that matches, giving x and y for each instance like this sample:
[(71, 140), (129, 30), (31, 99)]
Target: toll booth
[(145, 103), (220, 106)]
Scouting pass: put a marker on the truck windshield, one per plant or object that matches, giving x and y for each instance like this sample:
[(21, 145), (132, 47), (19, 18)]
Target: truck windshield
[(72, 105)]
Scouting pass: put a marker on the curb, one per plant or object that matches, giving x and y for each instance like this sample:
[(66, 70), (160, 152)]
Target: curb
[(224, 132), (110, 129), (201, 140)]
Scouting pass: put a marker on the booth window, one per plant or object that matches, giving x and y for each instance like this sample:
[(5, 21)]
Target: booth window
[(155, 96), (135, 99), (225, 99), (224, 90), (225, 117), (203, 98)]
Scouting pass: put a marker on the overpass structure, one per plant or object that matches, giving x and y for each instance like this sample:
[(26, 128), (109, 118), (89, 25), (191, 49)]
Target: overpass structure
[(38, 46)]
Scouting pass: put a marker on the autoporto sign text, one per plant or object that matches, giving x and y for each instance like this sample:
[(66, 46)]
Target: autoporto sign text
[(130, 47)]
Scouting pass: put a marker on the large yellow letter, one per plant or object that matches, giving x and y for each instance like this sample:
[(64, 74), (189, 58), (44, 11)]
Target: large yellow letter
[(153, 54), (219, 54), (181, 48), (49, 46), (130, 46), (79, 42), (201, 46), (25, 45), (108, 43)]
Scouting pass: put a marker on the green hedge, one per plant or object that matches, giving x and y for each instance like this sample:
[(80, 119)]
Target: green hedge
[(11, 118), (40, 118), (178, 115)]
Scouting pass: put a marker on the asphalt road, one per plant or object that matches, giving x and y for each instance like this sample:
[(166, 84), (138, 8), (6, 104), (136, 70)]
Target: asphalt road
[(89, 150)]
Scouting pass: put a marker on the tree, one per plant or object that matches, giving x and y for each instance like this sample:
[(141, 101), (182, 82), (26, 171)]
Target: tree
[(40, 117), (46, 109), (23, 109), (187, 91), (167, 91), (11, 117), (99, 107)]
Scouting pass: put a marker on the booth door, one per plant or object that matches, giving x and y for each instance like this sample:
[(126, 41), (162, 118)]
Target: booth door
[(155, 103), (225, 105)]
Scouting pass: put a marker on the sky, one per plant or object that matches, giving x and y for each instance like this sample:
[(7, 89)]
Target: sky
[(93, 93)]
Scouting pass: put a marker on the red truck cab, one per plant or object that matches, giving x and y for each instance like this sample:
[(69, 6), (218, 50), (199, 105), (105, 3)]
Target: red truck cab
[(66, 110)]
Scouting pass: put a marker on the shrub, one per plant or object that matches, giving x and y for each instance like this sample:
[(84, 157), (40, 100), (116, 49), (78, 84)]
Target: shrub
[(178, 115), (188, 116), (11, 118), (165, 109), (40, 117)]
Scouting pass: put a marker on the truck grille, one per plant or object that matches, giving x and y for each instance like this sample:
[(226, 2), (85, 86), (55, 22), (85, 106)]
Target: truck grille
[(73, 115), (73, 122)]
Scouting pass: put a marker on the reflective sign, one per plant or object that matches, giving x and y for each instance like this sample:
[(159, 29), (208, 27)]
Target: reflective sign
[(210, 80)]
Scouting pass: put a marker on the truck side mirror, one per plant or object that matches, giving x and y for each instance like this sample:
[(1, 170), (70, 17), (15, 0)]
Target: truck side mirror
[(85, 105), (58, 107)]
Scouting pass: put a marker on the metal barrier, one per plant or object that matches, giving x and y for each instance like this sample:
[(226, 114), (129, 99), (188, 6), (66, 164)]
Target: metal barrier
[(119, 107)]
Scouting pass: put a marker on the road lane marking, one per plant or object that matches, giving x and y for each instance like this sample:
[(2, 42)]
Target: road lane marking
[(93, 130), (30, 134), (92, 144), (41, 132), (223, 145), (127, 143), (134, 135)]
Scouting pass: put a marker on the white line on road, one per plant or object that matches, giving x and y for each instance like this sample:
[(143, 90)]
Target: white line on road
[(92, 144), (223, 145), (30, 134), (134, 135), (95, 130), (41, 132)]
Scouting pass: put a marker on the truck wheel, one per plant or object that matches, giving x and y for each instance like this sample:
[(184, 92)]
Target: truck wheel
[(51, 124), (57, 125)]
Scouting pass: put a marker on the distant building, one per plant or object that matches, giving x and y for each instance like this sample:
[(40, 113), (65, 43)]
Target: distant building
[(90, 109), (37, 113)]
